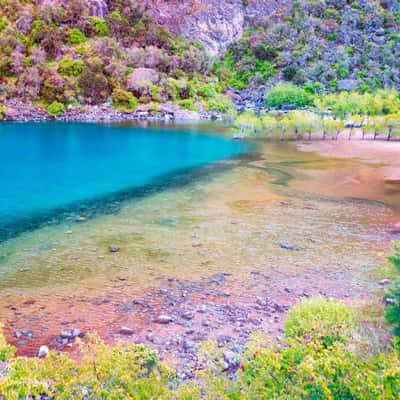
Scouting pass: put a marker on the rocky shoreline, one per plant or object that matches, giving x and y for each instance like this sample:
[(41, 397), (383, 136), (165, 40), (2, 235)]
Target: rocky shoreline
[(20, 112), (174, 319)]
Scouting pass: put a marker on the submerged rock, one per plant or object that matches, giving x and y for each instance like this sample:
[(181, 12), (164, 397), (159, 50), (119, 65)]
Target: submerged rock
[(114, 249), (163, 319), (126, 331)]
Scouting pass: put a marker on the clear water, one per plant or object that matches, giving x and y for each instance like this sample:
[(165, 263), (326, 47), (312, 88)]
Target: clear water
[(48, 169)]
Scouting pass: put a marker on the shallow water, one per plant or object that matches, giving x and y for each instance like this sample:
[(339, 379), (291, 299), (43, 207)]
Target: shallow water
[(309, 222), (53, 168)]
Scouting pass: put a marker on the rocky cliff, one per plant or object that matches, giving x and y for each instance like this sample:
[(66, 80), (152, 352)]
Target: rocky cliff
[(214, 23)]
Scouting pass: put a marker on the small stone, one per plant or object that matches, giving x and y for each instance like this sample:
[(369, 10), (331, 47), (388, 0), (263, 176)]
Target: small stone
[(196, 244), (188, 315), (43, 351), (163, 319), (385, 282), (28, 334), (114, 249), (202, 309), (126, 331), (290, 247), (70, 334)]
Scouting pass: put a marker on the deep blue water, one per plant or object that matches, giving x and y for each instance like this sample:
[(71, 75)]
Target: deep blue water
[(48, 168)]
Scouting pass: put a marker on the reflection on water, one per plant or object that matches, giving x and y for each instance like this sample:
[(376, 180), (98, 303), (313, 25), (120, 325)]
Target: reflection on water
[(244, 213)]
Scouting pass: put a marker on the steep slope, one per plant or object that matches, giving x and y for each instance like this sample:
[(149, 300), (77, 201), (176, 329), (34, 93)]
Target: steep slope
[(192, 51)]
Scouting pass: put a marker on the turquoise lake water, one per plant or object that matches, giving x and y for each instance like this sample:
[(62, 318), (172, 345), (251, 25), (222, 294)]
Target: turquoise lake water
[(52, 169)]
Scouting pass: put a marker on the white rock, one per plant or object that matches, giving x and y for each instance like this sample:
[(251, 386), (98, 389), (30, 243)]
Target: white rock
[(43, 351)]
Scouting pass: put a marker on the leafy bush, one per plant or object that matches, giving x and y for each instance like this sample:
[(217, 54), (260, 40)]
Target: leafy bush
[(104, 372), (75, 36), (6, 351), (222, 104), (352, 103), (286, 94), (100, 26), (240, 68), (187, 105), (55, 109), (393, 308), (2, 108), (320, 320), (69, 67), (124, 101), (307, 370)]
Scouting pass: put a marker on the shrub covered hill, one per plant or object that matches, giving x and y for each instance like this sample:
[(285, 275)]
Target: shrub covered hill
[(193, 53)]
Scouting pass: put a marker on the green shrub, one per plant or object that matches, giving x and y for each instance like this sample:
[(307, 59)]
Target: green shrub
[(320, 319), (2, 108), (220, 104), (104, 372), (69, 67), (6, 351), (75, 37), (99, 26), (393, 308), (3, 23), (187, 105), (55, 109), (353, 103), (286, 94), (331, 37), (124, 101), (308, 370)]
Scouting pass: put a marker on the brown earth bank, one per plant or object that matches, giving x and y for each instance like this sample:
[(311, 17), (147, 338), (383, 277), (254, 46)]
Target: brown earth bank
[(253, 246)]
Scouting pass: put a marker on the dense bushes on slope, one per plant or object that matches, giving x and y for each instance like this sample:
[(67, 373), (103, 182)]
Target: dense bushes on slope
[(330, 44), (61, 53)]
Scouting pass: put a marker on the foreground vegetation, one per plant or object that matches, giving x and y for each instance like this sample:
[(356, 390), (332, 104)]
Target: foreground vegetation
[(326, 354)]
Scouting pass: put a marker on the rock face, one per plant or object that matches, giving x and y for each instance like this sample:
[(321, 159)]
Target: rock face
[(214, 23), (97, 8)]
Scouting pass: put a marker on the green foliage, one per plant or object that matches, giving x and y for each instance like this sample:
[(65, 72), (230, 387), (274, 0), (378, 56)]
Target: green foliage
[(309, 370), (393, 308), (222, 104), (2, 108), (75, 37), (286, 94), (55, 109), (69, 67), (320, 320), (276, 124), (124, 101), (100, 26), (3, 23), (352, 103), (187, 105), (240, 70), (6, 351), (104, 372), (304, 366)]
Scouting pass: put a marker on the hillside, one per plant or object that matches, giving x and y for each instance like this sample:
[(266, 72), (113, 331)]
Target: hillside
[(189, 53)]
